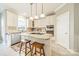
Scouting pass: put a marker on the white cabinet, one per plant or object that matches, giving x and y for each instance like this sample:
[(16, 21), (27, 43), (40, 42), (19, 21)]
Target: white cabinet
[(63, 29), (50, 20), (11, 19), (8, 38), (12, 38)]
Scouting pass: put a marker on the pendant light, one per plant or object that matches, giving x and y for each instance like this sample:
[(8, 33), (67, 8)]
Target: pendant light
[(42, 15), (36, 17), (31, 18)]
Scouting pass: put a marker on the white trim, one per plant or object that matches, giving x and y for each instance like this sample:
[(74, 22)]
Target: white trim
[(70, 50), (60, 7)]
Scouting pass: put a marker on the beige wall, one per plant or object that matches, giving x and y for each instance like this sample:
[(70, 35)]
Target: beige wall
[(76, 27)]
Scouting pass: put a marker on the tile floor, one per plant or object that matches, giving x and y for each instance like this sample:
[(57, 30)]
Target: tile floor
[(57, 50)]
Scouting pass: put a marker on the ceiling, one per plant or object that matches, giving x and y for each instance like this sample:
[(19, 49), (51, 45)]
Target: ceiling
[(24, 8)]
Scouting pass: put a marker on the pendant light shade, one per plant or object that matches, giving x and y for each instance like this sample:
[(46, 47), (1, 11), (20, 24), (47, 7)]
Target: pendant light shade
[(31, 18), (36, 17), (42, 13)]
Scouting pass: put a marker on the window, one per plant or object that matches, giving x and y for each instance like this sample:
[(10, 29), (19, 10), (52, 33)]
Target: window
[(22, 23)]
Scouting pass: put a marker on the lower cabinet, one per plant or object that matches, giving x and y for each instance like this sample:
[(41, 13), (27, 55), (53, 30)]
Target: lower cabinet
[(15, 38), (12, 39)]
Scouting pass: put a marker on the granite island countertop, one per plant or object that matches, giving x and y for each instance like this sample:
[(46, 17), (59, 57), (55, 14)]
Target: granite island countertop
[(37, 35)]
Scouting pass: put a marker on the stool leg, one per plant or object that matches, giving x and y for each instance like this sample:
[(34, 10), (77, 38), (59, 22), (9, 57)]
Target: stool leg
[(25, 49), (30, 47), (32, 51), (35, 50), (43, 52), (40, 52), (20, 48)]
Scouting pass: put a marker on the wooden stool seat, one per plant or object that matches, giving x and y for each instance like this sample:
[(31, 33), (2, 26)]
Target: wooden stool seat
[(39, 46)]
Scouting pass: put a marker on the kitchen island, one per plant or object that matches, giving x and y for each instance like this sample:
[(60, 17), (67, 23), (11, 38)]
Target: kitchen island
[(41, 38)]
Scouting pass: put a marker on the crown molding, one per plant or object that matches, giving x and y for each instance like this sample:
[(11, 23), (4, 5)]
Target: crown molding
[(60, 7)]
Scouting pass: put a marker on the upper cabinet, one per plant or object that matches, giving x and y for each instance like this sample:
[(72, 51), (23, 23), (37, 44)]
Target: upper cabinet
[(11, 21), (50, 20)]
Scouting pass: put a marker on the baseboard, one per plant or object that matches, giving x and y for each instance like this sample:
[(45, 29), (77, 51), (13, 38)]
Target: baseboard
[(69, 50)]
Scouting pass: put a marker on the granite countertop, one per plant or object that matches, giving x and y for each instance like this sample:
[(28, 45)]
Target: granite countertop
[(38, 35)]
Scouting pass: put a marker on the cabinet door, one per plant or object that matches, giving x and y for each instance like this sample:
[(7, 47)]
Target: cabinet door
[(11, 19), (63, 29), (15, 38)]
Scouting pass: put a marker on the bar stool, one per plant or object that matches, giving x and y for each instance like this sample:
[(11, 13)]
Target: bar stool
[(25, 42), (39, 46)]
